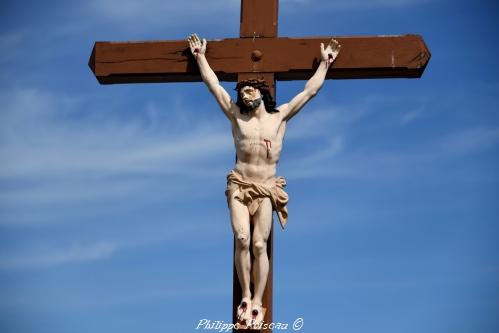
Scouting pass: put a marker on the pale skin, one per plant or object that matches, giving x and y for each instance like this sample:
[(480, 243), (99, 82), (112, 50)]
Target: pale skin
[(258, 138)]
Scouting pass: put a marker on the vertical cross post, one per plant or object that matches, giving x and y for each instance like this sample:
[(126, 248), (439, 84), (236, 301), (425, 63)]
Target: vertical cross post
[(258, 20)]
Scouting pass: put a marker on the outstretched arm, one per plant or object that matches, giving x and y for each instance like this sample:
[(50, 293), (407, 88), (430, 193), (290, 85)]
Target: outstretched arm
[(198, 49), (328, 55)]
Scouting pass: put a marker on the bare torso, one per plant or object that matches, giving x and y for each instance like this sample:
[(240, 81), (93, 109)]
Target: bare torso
[(258, 139)]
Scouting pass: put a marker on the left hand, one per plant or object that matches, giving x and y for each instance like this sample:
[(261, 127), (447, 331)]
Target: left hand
[(330, 53), (197, 46)]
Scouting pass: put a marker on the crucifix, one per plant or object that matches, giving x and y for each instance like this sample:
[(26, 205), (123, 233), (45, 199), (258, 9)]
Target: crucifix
[(258, 59)]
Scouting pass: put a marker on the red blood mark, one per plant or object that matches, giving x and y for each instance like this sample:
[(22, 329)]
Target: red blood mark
[(329, 60), (268, 144)]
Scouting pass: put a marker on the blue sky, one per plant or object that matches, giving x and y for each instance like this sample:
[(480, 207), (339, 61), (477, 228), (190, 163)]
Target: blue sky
[(112, 208)]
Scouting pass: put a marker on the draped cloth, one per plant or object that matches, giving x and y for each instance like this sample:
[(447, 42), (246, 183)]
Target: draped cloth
[(251, 194)]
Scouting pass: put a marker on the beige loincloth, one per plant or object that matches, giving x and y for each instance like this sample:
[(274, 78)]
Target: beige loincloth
[(252, 194)]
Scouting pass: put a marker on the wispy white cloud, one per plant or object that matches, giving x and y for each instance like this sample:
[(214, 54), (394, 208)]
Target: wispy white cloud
[(54, 257), (10, 45), (158, 13), (75, 250), (326, 121), (60, 149), (40, 138), (412, 115), (469, 141), (378, 164), (334, 156)]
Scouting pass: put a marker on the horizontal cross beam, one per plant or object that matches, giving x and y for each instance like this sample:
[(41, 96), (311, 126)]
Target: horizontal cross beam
[(404, 56)]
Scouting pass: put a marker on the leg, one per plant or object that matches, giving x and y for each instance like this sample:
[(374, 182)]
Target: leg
[(263, 223), (240, 221)]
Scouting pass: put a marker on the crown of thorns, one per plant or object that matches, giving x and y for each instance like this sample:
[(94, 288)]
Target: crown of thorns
[(255, 83)]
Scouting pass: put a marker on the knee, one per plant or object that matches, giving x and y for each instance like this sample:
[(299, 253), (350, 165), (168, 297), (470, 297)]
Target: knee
[(242, 241), (260, 247)]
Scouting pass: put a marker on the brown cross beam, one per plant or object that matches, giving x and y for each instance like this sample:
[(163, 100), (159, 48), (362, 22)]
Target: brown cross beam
[(259, 53)]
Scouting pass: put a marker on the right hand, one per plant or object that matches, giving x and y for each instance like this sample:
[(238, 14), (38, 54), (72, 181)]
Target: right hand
[(330, 53), (197, 46)]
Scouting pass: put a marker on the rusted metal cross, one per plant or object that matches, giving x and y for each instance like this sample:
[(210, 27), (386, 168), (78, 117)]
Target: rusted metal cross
[(259, 53)]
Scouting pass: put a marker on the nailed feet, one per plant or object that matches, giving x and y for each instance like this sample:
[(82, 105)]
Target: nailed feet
[(256, 319), (244, 309)]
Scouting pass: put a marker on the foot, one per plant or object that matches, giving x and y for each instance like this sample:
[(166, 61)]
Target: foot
[(256, 319), (244, 309)]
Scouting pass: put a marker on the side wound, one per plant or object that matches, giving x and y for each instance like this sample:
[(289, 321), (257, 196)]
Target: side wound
[(268, 144)]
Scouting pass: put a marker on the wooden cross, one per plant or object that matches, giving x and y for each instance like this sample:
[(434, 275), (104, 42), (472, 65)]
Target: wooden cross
[(259, 53)]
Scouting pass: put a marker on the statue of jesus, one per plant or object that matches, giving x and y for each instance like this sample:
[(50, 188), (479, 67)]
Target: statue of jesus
[(253, 190)]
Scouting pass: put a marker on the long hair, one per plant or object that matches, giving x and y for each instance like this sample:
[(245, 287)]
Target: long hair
[(261, 85)]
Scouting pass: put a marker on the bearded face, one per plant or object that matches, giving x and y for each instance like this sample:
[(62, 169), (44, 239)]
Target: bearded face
[(251, 97)]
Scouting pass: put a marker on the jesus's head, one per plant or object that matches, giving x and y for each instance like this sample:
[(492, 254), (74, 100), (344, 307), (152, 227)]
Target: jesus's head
[(250, 94)]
